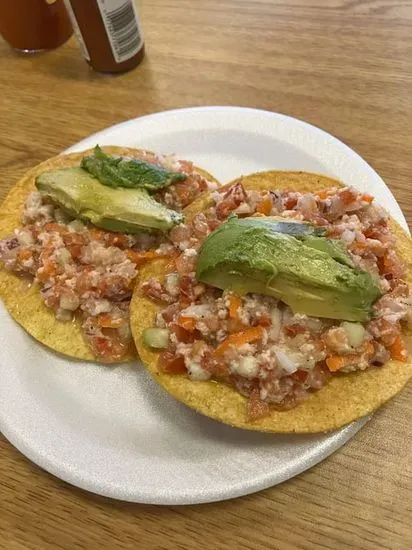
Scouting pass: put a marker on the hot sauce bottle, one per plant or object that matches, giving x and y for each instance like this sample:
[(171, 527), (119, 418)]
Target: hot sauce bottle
[(108, 32)]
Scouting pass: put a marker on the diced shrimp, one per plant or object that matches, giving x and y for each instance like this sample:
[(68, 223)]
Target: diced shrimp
[(186, 191), (200, 226), (384, 330), (186, 166), (337, 340), (230, 200), (186, 262), (180, 235), (170, 312), (156, 291)]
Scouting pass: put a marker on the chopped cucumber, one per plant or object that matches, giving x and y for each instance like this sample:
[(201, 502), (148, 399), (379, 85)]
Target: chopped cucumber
[(156, 337)]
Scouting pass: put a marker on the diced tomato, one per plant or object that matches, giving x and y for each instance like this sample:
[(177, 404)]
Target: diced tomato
[(300, 375), (347, 196), (105, 320), (366, 198), (256, 408), (183, 335), (290, 203), (235, 303), (188, 323), (398, 350), (108, 350), (170, 364)]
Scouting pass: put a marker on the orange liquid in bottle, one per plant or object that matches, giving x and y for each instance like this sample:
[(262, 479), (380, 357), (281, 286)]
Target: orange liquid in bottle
[(34, 25)]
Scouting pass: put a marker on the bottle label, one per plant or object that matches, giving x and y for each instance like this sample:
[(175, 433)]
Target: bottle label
[(122, 27), (76, 30)]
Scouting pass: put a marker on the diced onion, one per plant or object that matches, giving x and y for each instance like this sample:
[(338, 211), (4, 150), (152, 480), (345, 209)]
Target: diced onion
[(196, 372), (172, 284), (285, 362), (70, 302), (124, 331), (246, 366), (25, 238), (76, 225), (62, 256), (276, 318), (355, 333), (197, 311), (348, 236)]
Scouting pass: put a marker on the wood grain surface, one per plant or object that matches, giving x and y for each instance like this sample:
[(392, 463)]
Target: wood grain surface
[(343, 65)]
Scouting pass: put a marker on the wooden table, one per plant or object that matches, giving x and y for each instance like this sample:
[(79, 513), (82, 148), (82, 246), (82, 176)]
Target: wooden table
[(345, 66)]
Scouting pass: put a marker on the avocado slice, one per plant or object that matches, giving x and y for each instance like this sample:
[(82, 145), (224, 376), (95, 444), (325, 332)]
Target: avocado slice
[(123, 210), (119, 172), (334, 247), (249, 257)]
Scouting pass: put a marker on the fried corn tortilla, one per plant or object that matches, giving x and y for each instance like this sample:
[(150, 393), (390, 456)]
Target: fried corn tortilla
[(20, 296), (344, 399)]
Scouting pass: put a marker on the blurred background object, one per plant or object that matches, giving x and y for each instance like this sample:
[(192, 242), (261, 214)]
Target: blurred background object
[(34, 25), (108, 33)]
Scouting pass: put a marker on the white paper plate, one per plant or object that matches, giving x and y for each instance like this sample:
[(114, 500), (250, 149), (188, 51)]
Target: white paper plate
[(113, 431)]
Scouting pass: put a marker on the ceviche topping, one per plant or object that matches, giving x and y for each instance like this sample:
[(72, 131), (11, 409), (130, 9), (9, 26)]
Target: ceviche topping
[(214, 323), (89, 272)]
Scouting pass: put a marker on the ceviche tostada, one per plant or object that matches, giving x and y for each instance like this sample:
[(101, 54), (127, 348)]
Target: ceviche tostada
[(286, 305), (75, 231)]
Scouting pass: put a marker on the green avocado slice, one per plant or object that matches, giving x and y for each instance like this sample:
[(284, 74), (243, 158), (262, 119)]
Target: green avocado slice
[(254, 258), (136, 174), (122, 210)]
